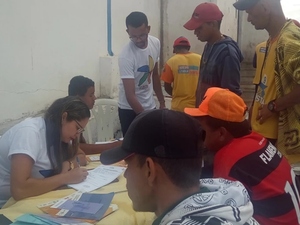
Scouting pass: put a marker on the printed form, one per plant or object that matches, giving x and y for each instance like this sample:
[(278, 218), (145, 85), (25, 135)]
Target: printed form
[(99, 177)]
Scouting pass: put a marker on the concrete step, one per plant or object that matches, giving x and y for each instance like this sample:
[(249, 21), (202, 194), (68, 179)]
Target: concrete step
[(246, 80)]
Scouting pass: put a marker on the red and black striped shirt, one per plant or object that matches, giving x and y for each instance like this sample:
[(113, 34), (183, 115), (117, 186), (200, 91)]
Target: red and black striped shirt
[(266, 174)]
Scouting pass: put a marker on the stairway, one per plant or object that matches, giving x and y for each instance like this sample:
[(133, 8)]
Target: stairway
[(247, 75)]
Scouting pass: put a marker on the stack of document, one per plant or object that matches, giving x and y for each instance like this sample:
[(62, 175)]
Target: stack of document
[(99, 177), (32, 219), (86, 207), (79, 208)]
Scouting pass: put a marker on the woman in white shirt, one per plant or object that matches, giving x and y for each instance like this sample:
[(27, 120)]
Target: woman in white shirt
[(36, 154)]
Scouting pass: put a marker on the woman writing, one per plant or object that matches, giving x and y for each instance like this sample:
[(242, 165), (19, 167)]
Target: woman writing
[(37, 154)]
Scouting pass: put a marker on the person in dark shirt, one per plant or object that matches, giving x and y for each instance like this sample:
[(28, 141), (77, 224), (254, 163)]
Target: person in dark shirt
[(84, 88), (221, 58)]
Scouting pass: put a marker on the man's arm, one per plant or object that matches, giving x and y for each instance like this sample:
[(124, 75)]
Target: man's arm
[(90, 149), (168, 78), (292, 65), (288, 100), (157, 87), (230, 74), (168, 88), (127, 75), (129, 87), (282, 103)]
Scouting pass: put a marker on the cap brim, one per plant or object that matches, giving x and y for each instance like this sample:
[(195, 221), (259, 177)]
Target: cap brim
[(114, 155), (192, 25), (194, 112), (244, 4)]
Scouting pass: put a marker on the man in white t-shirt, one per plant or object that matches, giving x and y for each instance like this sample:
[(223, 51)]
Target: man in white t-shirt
[(138, 63)]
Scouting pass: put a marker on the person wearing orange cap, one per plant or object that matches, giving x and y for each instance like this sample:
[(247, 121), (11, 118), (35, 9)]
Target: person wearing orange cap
[(221, 58), (182, 70), (246, 156), (278, 90)]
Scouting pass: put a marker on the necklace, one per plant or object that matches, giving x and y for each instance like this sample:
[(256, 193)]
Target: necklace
[(205, 59)]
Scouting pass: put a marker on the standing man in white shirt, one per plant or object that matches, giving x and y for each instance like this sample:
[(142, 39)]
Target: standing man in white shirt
[(138, 63)]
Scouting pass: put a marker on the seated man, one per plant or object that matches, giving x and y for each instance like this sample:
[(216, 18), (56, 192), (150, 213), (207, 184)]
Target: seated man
[(248, 157), (84, 88), (163, 153)]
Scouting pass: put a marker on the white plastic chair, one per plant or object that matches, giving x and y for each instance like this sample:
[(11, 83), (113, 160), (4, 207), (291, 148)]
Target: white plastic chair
[(105, 115), (87, 134)]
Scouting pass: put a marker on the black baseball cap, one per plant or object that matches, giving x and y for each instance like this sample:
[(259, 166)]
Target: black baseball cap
[(159, 133), (245, 4)]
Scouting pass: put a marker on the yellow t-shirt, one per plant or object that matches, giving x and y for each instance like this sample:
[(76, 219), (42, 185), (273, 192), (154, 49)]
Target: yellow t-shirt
[(183, 71), (266, 92)]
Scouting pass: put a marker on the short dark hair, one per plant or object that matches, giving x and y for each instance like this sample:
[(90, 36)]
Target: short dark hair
[(236, 129), (136, 19), (218, 23), (184, 173), (79, 85), (181, 47)]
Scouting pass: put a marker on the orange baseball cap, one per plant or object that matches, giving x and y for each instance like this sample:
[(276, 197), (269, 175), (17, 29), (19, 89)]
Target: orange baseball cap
[(220, 104)]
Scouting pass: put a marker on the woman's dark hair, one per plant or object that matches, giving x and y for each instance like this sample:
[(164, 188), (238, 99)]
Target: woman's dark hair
[(79, 85), (57, 150), (136, 19)]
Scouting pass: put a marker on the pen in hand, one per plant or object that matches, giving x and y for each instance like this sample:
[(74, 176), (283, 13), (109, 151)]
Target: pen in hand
[(78, 163)]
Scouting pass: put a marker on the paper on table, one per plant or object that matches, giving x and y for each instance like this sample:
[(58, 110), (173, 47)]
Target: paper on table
[(94, 158), (62, 220), (108, 142), (80, 196), (99, 177), (46, 219), (104, 199), (74, 196), (78, 206), (30, 219)]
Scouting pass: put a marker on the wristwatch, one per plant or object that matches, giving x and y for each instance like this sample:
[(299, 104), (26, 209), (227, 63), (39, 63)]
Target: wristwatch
[(272, 106)]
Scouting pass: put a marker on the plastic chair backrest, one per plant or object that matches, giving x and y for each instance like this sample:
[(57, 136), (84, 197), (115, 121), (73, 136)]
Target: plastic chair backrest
[(105, 112), (87, 134)]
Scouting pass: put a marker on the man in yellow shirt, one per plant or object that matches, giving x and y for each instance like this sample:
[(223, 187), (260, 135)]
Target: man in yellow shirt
[(282, 61), (265, 90), (182, 70), (264, 81)]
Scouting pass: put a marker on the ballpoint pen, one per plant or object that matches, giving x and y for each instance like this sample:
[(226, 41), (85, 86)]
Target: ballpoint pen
[(78, 161)]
